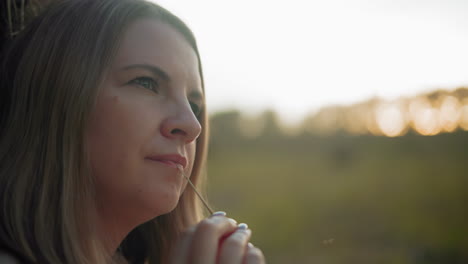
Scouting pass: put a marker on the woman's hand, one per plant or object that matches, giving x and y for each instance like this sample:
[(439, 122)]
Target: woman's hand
[(217, 240)]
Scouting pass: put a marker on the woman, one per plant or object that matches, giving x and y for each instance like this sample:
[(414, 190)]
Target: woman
[(102, 115)]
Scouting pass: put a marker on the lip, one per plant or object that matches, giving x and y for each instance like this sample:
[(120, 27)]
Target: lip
[(171, 160)]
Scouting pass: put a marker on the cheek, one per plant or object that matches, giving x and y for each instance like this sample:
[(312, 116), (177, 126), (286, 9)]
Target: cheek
[(114, 138), (191, 154), (105, 133), (118, 136)]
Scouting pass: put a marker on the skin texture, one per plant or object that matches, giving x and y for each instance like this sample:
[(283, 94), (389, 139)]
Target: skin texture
[(147, 106), (140, 114), (217, 240)]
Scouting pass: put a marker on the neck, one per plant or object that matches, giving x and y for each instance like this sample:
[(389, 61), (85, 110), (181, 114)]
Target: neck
[(112, 229)]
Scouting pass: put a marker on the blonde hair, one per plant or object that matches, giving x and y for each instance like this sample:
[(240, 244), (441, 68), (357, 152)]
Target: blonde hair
[(50, 76)]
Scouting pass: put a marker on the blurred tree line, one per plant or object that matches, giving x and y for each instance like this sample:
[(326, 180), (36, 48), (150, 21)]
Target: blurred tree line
[(343, 197)]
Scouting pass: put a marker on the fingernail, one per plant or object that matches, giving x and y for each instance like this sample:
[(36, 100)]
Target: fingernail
[(232, 221), (250, 245), (219, 213), (242, 226)]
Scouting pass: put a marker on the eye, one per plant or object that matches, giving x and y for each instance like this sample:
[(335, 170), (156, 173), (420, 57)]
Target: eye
[(146, 82), (196, 109)]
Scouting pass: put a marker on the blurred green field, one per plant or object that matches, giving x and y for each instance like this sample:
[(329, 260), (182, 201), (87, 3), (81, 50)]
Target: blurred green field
[(344, 199)]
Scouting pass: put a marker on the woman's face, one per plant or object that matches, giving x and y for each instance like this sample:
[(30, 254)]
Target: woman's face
[(144, 126)]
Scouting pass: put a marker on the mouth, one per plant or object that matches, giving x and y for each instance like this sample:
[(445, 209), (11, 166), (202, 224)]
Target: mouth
[(175, 161)]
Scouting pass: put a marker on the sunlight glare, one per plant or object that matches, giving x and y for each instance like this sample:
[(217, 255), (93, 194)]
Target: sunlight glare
[(464, 115), (450, 113), (424, 117), (391, 119)]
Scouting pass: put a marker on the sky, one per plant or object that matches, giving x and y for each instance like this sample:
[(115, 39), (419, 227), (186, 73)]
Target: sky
[(296, 56)]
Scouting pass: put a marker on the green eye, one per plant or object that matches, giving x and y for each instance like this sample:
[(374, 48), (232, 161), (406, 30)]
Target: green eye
[(146, 82)]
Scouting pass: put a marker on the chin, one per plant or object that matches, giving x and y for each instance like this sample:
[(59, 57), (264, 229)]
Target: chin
[(165, 203)]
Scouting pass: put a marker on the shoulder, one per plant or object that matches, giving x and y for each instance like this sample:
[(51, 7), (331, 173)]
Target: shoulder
[(8, 258)]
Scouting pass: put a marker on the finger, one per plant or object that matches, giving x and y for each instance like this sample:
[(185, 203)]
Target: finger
[(180, 254), (204, 244), (254, 255), (234, 247)]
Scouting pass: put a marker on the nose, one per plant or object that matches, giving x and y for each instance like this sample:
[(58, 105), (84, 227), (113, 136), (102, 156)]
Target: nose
[(182, 124)]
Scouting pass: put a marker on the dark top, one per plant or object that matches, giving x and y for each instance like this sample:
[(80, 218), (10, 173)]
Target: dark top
[(8, 255)]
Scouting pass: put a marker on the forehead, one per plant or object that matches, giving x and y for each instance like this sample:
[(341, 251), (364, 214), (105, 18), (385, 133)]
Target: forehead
[(149, 41)]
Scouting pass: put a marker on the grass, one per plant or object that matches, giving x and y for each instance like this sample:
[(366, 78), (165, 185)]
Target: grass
[(347, 199)]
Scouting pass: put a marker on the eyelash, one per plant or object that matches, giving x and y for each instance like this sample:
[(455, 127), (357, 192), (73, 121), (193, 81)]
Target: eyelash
[(154, 83), (196, 109)]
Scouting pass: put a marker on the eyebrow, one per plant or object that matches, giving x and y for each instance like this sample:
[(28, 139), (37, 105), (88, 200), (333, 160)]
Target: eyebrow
[(154, 69)]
